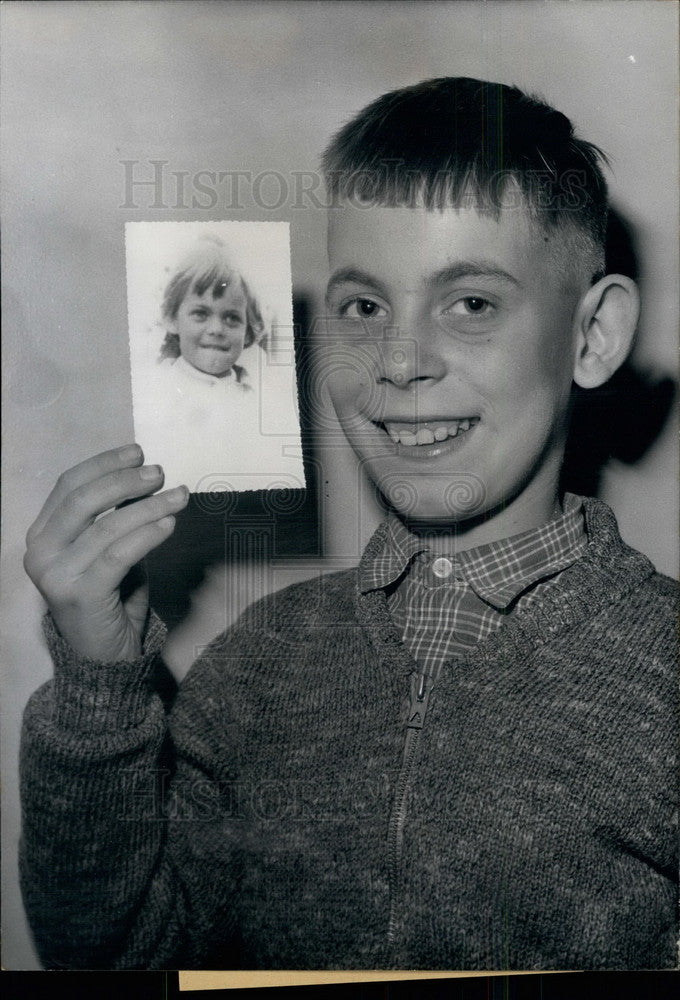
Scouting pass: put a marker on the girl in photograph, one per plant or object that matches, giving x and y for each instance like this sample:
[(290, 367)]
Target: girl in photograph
[(201, 416), (210, 316)]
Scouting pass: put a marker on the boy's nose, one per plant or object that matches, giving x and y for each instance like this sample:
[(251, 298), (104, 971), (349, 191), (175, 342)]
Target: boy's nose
[(405, 362)]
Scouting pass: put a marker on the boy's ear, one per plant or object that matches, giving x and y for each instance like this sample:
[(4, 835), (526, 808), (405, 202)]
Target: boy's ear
[(606, 320)]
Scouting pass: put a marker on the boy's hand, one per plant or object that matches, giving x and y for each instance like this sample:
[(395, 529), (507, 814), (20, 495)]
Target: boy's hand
[(85, 566)]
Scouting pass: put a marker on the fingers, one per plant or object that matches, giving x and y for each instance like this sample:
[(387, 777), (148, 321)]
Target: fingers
[(128, 457), (58, 569), (118, 558), (108, 534), (79, 508), (82, 520), (87, 538), (93, 567)]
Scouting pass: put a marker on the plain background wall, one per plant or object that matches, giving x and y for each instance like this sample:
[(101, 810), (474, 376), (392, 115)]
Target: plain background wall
[(259, 87)]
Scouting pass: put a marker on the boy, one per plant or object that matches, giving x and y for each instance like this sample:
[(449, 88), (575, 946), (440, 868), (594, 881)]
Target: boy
[(458, 756)]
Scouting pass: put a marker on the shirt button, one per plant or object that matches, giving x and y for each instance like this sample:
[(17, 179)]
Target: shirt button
[(442, 567)]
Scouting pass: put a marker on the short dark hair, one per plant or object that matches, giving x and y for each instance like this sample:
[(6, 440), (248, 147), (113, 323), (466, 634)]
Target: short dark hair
[(454, 141)]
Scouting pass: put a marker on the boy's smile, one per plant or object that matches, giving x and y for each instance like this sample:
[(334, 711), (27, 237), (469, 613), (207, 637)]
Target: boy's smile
[(212, 328), (451, 361)]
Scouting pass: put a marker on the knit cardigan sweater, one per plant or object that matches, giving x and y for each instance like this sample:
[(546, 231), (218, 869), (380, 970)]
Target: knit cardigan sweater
[(287, 817)]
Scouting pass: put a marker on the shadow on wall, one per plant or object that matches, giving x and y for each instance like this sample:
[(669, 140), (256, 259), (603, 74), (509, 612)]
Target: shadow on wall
[(625, 416)]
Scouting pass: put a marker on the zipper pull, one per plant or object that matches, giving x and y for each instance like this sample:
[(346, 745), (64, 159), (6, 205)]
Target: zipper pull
[(421, 688)]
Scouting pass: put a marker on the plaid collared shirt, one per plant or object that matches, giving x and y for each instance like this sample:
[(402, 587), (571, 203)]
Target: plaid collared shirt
[(442, 605)]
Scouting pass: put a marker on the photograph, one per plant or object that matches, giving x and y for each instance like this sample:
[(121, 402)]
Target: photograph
[(340, 486), (214, 394)]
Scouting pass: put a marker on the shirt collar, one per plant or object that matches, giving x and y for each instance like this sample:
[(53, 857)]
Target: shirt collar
[(235, 376), (498, 572), (399, 548)]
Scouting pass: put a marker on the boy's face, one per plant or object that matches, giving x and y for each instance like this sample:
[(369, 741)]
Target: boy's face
[(451, 360), (212, 327)]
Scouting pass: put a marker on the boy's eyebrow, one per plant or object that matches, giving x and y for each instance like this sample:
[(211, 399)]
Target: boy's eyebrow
[(350, 275), (480, 268)]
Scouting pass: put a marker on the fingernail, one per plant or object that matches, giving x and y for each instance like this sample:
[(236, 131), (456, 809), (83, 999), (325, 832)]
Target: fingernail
[(178, 493), (150, 471), (130, 453)]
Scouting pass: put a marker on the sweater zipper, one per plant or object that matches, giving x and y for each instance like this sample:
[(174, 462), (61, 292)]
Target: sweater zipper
[(421, 688)]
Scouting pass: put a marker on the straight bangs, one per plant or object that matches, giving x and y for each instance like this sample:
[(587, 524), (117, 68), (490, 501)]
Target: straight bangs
[(557, 202), (216, 278), (197, 278), (551, 195)]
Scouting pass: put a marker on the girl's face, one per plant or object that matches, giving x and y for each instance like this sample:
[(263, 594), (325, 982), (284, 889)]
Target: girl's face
[(211, 327)]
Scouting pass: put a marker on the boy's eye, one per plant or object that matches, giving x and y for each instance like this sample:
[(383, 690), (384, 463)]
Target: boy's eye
[(360, 308), (469, 306)]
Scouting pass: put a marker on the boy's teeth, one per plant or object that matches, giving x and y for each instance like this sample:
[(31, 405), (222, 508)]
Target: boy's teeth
[(412, 434), (424, 436)]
